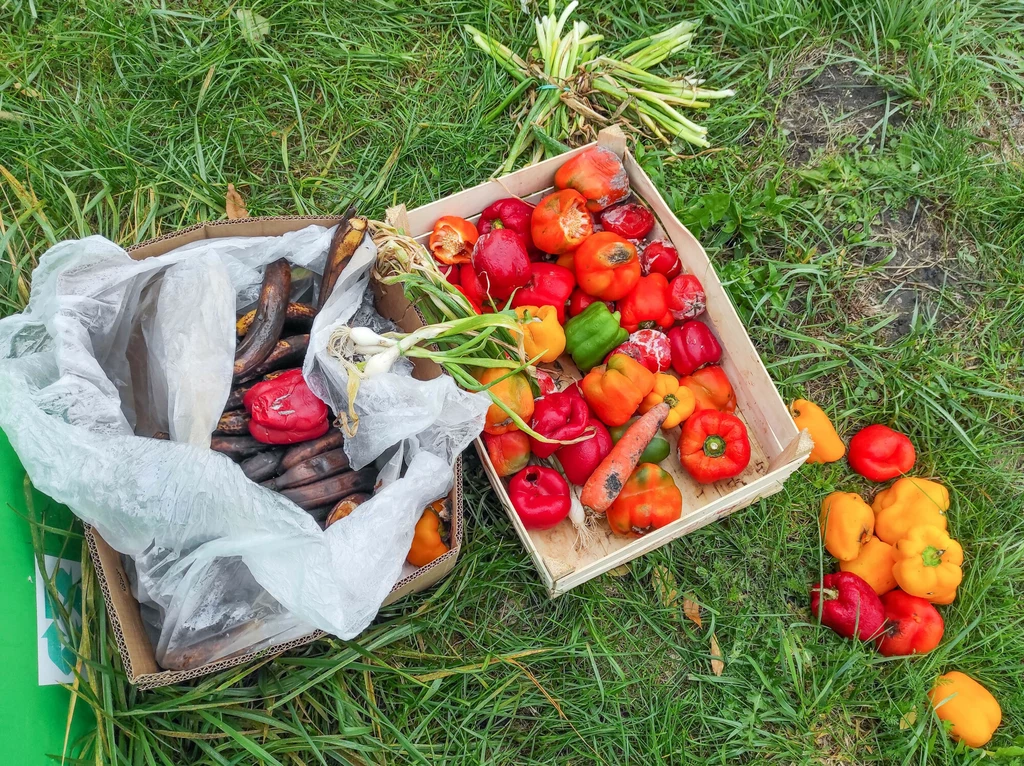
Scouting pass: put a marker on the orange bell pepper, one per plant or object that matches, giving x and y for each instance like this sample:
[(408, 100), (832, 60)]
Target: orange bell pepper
[(680, 400), (514, 392), (607, 266), (928, 564), (596, 173), (615, 390), (971, 709), (847, 523), (909, 502), (427, 544), (828, 447), (649, 500), (711, 389), (873, 565), (560, 222)]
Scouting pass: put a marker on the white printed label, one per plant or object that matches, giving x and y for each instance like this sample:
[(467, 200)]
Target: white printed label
[(56, 661)]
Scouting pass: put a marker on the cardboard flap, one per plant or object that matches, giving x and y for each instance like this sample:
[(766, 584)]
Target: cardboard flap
[(398, 216), (612, 138)]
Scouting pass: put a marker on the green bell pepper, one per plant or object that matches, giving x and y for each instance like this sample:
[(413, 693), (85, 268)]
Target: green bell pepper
[(591, 334), (656, 451)]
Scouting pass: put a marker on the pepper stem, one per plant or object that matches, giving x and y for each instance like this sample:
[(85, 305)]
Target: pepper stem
[(932, 556), (714, 446)]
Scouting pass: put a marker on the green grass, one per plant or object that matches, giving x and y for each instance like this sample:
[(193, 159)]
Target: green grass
[(130, 120)]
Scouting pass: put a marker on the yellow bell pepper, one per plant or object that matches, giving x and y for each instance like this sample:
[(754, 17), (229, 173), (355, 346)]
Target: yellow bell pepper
[(909, 502), (680, 400), (873, 565), (542, 334), (828, 447), (846, 524), (969, 706), (928, 564)]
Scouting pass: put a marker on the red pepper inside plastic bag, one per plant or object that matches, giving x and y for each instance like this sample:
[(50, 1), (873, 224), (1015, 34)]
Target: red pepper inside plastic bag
[(285, 411)]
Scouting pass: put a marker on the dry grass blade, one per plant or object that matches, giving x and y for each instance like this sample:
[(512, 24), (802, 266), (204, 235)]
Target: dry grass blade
[(717, 665), (234, 204), (463, 669), (666, 590)]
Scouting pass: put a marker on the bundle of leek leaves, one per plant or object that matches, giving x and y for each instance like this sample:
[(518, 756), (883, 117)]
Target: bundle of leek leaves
[(574, 88), (455, 336)]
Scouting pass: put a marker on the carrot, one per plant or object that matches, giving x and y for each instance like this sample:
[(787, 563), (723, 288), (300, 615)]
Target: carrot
[(605, 484)]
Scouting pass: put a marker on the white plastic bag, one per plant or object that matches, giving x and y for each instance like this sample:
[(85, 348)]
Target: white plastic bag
[(109, 347)]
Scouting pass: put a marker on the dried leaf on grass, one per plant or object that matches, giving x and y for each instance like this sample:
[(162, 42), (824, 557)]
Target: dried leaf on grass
[(908, 719), (692, 610), (717, 666), (234, 204), (254, 27), (620, 571), (665, 588)]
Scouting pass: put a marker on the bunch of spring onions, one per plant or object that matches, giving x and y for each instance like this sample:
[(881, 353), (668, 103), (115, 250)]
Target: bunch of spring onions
[(574, 89), (457, 338)]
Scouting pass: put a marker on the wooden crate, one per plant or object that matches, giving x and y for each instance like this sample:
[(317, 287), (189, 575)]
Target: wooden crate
[(777, 447)]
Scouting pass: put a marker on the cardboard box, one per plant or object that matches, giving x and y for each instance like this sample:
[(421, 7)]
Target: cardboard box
[(123, 610), (777, 447)]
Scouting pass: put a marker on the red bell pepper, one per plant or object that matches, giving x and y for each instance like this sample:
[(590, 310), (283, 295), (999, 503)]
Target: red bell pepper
[(630, 220), (847, 604), (649, 347), (581, 459), (540, 496), (660, 257), (912, 625), (647, 305), (579, 301), (509, 452), (713, 446), (686, 297), (509, 213), (452, 239), (878, 453), (549, 285), (563, 415), (284, 411), (501, 262), (693, 346)]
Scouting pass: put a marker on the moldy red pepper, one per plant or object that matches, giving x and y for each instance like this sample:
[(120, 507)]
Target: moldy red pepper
[(285, 411), (848, 605), (630, 220), (646, 306), (693, 346), (549, 285), (563, 415), (686, 297), (540, 496), (878, 453), (660, 257), (649, 347)]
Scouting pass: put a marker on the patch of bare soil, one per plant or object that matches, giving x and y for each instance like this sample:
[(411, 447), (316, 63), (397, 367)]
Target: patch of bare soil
[(837, 103), (919, 267)]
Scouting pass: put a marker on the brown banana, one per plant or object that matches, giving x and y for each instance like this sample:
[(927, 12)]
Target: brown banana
[(343, 244), (237, 447), (305, 450), (268, 323), (235, 423), (317, 467), (262, 465), (331, 490), (298, 316), (238, 393), (345, 506), (287, 353)]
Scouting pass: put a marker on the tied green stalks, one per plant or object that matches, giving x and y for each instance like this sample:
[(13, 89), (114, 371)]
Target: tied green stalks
[(573, 87), (456, 337)]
